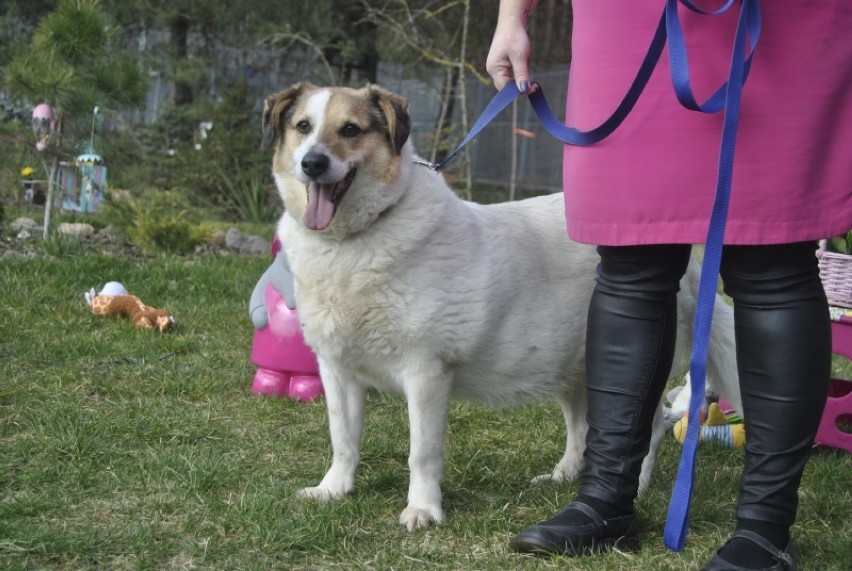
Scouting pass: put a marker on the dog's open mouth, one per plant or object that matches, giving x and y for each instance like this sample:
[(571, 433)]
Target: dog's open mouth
[(323, 200)]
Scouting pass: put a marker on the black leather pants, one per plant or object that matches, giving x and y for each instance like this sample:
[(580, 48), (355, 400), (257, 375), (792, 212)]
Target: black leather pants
[(783, 356)]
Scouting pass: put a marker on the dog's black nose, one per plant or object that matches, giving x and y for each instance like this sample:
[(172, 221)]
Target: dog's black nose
[(314, 164)]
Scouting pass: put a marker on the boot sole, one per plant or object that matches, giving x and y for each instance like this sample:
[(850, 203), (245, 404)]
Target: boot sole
[(542, 547)]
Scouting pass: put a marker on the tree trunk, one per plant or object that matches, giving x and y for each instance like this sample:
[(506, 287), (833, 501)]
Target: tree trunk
[(513, 176), (463, 97), (445, 119), (551, 21), (180, 43), (48, 205)]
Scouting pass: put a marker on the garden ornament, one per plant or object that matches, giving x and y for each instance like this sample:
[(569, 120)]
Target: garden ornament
[(286, 366), (44, 125)]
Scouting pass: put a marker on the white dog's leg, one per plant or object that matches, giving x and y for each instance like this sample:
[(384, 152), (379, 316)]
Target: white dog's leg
[(428, 409), (571, 465), (345, 400), (658, 432)]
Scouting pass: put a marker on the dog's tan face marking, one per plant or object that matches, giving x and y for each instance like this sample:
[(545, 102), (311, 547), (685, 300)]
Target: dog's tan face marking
[(333, 141), (341, 123)]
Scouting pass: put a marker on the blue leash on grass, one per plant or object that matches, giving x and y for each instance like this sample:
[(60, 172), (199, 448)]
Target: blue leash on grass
[(726, 98)]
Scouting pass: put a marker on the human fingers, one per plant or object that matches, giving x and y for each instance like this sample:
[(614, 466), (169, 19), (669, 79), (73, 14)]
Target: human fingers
[(508, 59)]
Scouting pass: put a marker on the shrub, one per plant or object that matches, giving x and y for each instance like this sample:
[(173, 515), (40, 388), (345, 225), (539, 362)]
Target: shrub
[(157, 222), (250, 197), (224, 169)]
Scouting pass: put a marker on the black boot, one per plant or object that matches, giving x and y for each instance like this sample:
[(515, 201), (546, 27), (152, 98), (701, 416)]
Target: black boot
[(782, 560), (784, 360), (629, 349), (578, 530)]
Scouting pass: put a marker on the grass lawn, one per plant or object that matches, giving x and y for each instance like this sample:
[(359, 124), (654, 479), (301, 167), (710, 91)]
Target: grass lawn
[(127, 449)]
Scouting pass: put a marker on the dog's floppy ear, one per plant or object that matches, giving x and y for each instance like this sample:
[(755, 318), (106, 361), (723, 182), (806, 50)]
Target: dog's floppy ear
[(275, 109), (394, 110)]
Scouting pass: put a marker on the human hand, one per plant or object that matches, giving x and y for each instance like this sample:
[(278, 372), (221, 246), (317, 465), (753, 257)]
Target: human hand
[(508, 57)]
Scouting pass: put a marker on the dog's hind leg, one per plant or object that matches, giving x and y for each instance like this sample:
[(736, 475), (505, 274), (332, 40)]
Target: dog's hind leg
[(658, 432), (722, 351), (345, 399), (722, 355), (428, 397), (572, 463)]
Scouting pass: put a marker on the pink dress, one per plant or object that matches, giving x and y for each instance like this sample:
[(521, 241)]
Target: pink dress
[(653, 180)]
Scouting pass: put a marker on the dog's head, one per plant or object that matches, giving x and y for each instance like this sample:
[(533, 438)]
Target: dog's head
[(335, 148)]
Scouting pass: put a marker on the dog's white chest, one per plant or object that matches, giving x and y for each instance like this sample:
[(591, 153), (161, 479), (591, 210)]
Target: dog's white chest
[(346, 316)]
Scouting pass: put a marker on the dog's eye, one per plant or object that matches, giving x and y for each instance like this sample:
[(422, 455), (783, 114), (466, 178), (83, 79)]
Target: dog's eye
[(350, 130), (303, 127)]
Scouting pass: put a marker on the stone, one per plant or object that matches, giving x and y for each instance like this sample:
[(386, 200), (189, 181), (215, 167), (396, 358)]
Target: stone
[(23, 223), (80, 229), (245, 243), (217, 239)]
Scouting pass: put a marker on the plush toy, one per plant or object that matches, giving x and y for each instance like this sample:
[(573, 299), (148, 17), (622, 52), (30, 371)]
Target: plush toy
[(114, 300), (679, 396), (286, 366), (718, 427)]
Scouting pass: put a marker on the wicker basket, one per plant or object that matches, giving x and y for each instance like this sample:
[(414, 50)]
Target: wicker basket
[(836, 273)]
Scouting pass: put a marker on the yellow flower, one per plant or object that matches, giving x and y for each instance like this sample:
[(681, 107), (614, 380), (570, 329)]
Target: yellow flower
[(27, 171)]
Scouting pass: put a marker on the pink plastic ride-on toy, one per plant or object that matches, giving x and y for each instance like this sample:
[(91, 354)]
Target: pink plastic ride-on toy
[(286, 366)]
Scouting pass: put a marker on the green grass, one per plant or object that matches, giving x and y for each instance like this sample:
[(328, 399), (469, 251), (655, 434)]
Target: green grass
[(126, 449)]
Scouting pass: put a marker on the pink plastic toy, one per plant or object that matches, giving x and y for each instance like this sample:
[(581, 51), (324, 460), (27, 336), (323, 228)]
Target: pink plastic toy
[(286, 366), (838, 407)]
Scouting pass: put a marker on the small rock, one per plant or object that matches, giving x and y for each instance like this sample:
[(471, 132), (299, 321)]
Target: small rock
[(80, 229), (24, 223), (245, 244), (217, 239)]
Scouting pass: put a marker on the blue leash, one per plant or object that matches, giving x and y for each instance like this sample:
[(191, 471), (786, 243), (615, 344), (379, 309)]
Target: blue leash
[(748, 26), (726, 98)]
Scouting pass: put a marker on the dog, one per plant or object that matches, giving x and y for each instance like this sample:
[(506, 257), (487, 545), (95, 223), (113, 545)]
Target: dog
[(404, 287)]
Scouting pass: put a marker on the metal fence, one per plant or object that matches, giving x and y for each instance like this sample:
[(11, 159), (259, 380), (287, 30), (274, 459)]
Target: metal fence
[(538, 157)]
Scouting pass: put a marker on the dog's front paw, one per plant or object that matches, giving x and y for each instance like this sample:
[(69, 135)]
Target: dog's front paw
[(559, 474), (547, 478), (318, 493), (413, 517)]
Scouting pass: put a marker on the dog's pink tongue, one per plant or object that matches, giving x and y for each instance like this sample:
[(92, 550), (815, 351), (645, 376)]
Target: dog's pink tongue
[(321, 207)]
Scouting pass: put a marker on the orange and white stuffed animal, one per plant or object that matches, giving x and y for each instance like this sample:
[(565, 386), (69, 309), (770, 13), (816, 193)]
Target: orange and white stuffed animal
[(114, 300)]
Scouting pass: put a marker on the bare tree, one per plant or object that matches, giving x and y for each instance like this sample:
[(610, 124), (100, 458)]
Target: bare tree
[(436, 34), (284, 40)]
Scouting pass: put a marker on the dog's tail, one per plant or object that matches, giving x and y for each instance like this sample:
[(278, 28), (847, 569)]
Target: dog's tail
[(722, 350)]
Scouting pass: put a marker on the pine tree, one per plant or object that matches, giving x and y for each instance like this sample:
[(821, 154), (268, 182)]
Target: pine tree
[(74, 64)]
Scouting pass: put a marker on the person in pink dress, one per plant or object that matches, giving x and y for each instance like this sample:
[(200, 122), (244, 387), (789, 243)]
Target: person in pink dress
[(644, 196)]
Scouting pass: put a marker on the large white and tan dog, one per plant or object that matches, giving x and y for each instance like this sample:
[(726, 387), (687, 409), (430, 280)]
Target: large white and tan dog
[(404, 287)]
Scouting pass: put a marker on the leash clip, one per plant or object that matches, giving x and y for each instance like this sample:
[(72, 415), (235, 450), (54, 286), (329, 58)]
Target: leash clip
[(429, 165)]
